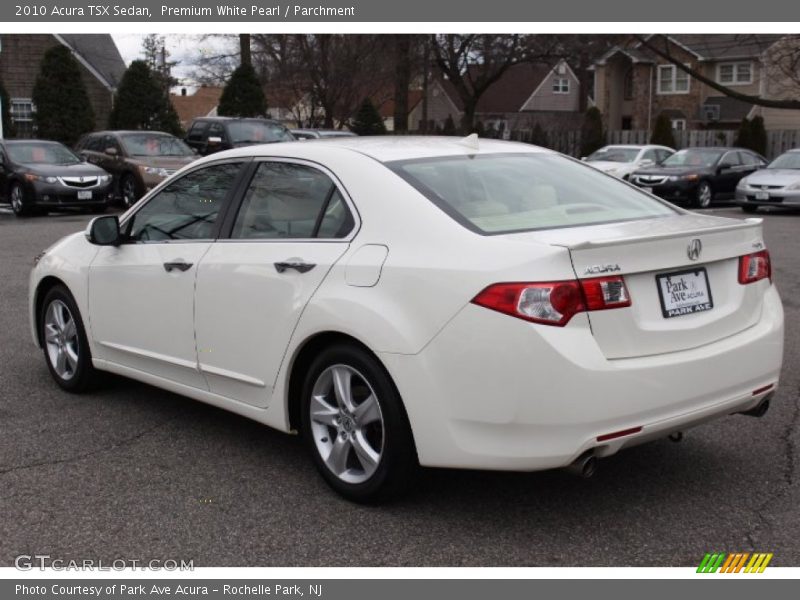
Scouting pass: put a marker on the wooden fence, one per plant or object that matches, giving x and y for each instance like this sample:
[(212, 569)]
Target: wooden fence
[(569, 142)]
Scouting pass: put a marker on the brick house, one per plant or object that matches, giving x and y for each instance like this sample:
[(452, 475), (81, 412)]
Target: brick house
[(633, 85), (101, 65), (526, 94)]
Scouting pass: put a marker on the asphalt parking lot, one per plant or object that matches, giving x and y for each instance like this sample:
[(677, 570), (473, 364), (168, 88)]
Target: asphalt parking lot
[(134, 472)]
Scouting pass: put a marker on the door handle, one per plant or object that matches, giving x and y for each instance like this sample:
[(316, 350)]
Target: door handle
[(300, 267), (179, 264)]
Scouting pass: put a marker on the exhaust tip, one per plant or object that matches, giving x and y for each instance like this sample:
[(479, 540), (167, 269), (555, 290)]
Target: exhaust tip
[(585, 466), (760, 410)]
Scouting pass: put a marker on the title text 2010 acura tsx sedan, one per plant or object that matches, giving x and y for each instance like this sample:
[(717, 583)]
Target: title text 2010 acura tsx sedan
[(420, 301)]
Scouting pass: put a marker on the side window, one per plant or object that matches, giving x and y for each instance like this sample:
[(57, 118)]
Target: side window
[(197, 131), (650, 155), (216, 130), (286, 201), (187, 209), (663, 155), (749, 160), (731, 158), (110, 141)]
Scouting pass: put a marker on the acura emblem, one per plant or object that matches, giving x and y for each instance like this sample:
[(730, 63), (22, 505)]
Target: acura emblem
[(694, 249)]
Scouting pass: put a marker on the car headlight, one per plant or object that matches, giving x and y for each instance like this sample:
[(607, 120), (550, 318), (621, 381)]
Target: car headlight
[(103, 178), (794, 186), (743, 183), (690, 177), (158, 171), (35, 177)]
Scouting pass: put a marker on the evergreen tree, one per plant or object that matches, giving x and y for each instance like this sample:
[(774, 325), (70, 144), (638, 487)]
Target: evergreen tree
[(8, 124), (243, 95), (592, 136), (743, 136), (142, 102), (63, 112), (758, 136), (539, 136), (368, 120), (662, 132), (449, 127)]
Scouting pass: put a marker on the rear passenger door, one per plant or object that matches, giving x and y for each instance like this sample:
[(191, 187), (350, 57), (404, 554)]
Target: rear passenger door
[(293, 224)]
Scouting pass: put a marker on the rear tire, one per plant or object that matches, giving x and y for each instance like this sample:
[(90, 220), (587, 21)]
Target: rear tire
[(355, 426), (64, 343)]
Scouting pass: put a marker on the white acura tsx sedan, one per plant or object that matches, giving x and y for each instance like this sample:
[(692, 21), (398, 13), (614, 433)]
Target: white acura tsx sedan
[(407, 301)]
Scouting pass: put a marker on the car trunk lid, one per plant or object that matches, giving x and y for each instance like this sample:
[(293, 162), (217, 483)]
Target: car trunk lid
[(681, 273)]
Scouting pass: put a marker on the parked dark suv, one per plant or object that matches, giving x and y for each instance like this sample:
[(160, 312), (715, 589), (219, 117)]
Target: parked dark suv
[(699, 175), (212, 134), (138, 160)]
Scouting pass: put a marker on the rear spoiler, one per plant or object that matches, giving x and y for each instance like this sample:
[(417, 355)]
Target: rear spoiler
[(744, 224)]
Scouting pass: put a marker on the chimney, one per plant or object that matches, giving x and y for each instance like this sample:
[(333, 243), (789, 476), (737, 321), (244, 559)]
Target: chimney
[(183, 91)]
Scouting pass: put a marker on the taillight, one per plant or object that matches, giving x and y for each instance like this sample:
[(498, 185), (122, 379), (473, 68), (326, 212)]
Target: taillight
[(755, 267), (554, 302)]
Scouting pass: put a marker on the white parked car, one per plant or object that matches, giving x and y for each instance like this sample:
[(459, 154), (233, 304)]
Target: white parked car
[(622, 160), (777, 185), (420, 301)]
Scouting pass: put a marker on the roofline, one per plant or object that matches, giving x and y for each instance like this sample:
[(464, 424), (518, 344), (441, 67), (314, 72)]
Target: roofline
[(674, 41), (444, 91), (85, 63), (546, 77)]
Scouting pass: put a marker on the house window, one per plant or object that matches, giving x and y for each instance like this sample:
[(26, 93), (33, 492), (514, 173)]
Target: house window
[(21, 111), (678, 124), (740, 73), (672, 80), (627, 85), (561, 85)]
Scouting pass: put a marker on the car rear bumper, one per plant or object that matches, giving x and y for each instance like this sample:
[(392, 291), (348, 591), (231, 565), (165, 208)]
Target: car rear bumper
[(493, 392)]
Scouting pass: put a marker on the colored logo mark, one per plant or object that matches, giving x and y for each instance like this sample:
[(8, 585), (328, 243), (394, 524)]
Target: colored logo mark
[(739, 562)]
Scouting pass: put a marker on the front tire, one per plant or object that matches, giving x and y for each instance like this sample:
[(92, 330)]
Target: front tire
[(63, 338), (355, 426), (127, 190), (703, 195), (18, 201)]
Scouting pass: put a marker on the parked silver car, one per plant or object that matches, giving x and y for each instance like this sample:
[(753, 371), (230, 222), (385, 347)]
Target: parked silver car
[(776, 185)]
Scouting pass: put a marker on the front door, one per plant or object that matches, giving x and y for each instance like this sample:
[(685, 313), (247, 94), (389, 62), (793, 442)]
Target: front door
[(141, 293), (293, 225)]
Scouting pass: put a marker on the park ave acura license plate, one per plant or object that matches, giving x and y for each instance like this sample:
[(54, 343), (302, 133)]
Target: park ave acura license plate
[(684, 292)]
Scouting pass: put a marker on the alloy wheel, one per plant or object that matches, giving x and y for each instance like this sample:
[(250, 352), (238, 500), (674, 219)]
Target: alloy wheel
[(16, 199), (347, 423), (128, 191), (704, 195), (61, 339)]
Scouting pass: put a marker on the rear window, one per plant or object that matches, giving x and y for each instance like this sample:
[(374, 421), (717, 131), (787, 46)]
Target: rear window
[(506, 193)]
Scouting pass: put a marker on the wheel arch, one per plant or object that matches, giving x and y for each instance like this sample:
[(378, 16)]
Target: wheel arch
[(46, 284), (304, 354)]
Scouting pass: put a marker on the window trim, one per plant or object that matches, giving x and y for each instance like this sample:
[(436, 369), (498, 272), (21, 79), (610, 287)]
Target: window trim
[(224, 234), (735, 64), (558, 82), (672, 80), (674, 122), (31, 120), (231, 198)]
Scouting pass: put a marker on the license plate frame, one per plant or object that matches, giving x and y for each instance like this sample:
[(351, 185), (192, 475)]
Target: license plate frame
[(762, 195), (85, 195), (683, 308)]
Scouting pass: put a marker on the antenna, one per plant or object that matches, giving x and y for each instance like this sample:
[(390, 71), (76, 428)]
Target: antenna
[(471, 141)]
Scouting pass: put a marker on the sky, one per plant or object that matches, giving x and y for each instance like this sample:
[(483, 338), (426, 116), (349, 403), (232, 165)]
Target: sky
[(183, 48)]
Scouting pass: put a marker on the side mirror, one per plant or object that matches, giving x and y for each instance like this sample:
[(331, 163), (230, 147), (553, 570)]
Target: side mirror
[(583, 158), (724, 167), (111, 151), (214, 141), (104, 231)]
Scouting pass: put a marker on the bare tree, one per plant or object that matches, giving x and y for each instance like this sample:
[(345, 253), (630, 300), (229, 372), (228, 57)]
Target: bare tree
[(784, 60), (474, 62)]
